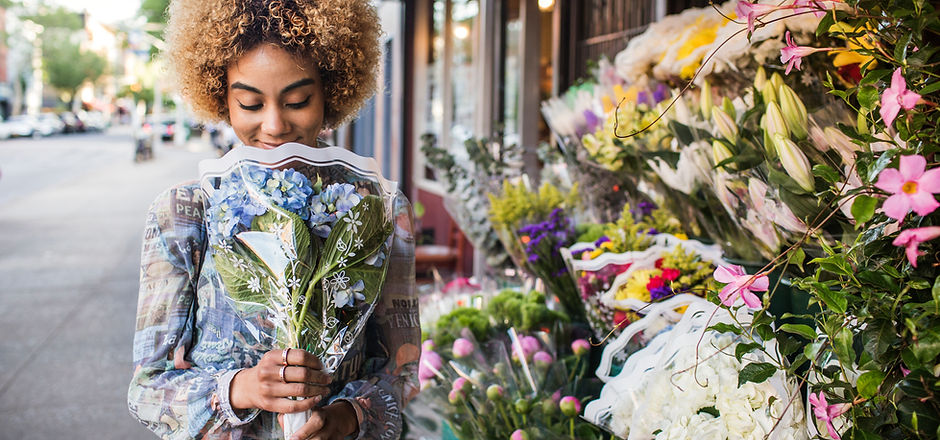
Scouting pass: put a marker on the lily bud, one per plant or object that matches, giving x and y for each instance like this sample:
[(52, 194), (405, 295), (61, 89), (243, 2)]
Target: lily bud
[(794, 112), (728, 107), (760, 78), (522, 406), (769, 92), (720, 153), (842, 144), (861, 123), (776, 80), (774, 123), (570, 406), (705, 100), (726, 125), (795, 162)]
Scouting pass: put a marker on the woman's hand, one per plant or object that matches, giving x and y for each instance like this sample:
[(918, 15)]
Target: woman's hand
[(264, 387), (335, 421)]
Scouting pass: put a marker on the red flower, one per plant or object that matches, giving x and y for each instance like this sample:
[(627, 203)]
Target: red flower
[(620, 319), (654, 282), (670, 273), (659, 263)]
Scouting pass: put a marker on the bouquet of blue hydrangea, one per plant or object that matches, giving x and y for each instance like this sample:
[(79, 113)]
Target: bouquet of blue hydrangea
[(299, 236)]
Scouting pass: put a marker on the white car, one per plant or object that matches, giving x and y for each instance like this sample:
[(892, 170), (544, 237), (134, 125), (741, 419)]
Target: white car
[(20, 126)]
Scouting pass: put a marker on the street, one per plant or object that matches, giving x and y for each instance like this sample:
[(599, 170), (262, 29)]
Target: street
[(72, 211)]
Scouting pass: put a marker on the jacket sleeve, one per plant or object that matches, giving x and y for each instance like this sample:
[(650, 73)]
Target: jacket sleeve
[(167, 393), (393, 337)]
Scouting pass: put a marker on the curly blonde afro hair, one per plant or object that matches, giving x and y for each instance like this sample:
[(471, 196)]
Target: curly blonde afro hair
[(204, 37)]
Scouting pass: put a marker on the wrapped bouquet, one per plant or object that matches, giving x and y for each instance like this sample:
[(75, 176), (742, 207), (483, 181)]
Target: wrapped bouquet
[(299, 236)]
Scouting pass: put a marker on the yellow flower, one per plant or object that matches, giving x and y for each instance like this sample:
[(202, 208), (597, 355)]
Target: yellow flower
[(596, 253), (607, 245), (635, 287), (850, 55), (681, 236)]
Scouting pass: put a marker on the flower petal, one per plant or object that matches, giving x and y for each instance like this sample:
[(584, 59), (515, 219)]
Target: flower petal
[(750, 299), (890, 180), (904, 237), (898, 84), (727, 294), (897, 206), (889, 107), (923, 203), (912, 254), (760, 284), (924, 234), (930, 181), (912, 167), (727, 274), (908, 99)]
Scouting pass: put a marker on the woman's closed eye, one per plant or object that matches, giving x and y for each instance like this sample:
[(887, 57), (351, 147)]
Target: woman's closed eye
[(250, 108), (298, 105)]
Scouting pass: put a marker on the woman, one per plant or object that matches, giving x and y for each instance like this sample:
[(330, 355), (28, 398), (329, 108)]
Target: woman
[(278, 71)]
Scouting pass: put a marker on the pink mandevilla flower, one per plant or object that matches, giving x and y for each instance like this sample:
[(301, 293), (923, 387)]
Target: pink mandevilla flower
[(911, 187), (739, 283), (911, 238), (793, 54), (751, 11), (896, 97), (826, 412), (814, 6)]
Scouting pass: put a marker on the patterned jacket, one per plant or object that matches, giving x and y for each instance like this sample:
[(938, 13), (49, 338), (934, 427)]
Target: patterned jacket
[(190, 340)]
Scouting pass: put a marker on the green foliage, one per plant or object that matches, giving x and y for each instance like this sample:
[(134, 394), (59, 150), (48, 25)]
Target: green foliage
[(448, 327), (526, 312), (516, 204)]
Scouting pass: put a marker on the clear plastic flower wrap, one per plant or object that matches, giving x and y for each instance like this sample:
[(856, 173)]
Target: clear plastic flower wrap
[(686, 384), (299, 237)]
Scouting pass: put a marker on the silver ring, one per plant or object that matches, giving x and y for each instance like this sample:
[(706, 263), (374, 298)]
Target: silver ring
[(284, 356), (281, 374)]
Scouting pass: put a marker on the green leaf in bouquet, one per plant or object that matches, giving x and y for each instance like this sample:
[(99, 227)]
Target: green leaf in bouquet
[(935, 290), (873, 76), (932, 87), (842, 345), (756, 372), (835, 300), (863, 208), (836, 264), (900, 49), (826, 173), (800, 329), (797, 257), (742, 349), (722, 327), (363, 229), (869, 382), (242, 281), (927, 346), (879, 280), (825, 23), (880, 164), (868, 96)]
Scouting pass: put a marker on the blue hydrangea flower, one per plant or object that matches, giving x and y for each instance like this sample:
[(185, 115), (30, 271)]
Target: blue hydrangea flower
[(290, 190), (331, 205)]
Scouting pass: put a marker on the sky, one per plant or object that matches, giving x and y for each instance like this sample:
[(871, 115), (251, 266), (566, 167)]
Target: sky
[(107, 11)]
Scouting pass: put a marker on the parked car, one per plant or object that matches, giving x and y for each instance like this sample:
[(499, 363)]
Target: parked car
[(49, 124), (93, 120), (72, 123), (20, 126)]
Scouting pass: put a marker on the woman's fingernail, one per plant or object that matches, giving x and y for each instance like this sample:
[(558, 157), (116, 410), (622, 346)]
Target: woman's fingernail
[(317, 399)]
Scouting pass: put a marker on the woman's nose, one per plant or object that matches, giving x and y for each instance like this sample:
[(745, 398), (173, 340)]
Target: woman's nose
[(274, 123)]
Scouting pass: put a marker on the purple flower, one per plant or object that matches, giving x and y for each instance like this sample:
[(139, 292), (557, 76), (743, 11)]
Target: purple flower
[(591, 121), (643, 209), (643, 98), (602, 240), (658, 293), (652, 231), (661, 93)]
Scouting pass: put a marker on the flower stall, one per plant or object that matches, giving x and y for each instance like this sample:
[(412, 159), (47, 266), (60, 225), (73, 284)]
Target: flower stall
[(736, 236)]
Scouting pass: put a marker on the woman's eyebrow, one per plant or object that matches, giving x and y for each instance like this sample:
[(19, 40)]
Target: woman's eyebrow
[(243, 86), (296, 84)]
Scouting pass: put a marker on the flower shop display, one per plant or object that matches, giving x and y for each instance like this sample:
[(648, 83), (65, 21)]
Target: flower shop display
[(302, 244)]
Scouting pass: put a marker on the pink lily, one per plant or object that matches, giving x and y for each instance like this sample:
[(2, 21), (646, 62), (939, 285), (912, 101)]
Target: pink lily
[(814, 6), (793, 54), (911, 238), (912, 187), (740, 283), (896, 97), (826, 412), (746, 9)]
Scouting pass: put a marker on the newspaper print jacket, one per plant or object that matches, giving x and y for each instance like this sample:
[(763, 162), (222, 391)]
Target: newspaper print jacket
[(190, 341)]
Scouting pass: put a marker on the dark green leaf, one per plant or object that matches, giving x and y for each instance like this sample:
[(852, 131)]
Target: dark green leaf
[(823, 27), (927, 346), (873, 76), (765, 331), (756, 372), (834, 300), (835, 264), (842, 345), (725, 328), (796, 257), (869, 382), (919, 284), (826, 173), (863, 208), (936, 290), (868, 96), (933, 87), (711, 410), (900, 49), (743, 349), (879, 279), (800, 329), (880, 164)]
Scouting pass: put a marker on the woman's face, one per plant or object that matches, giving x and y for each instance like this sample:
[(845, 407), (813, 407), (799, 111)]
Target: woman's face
[(274, 98)]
